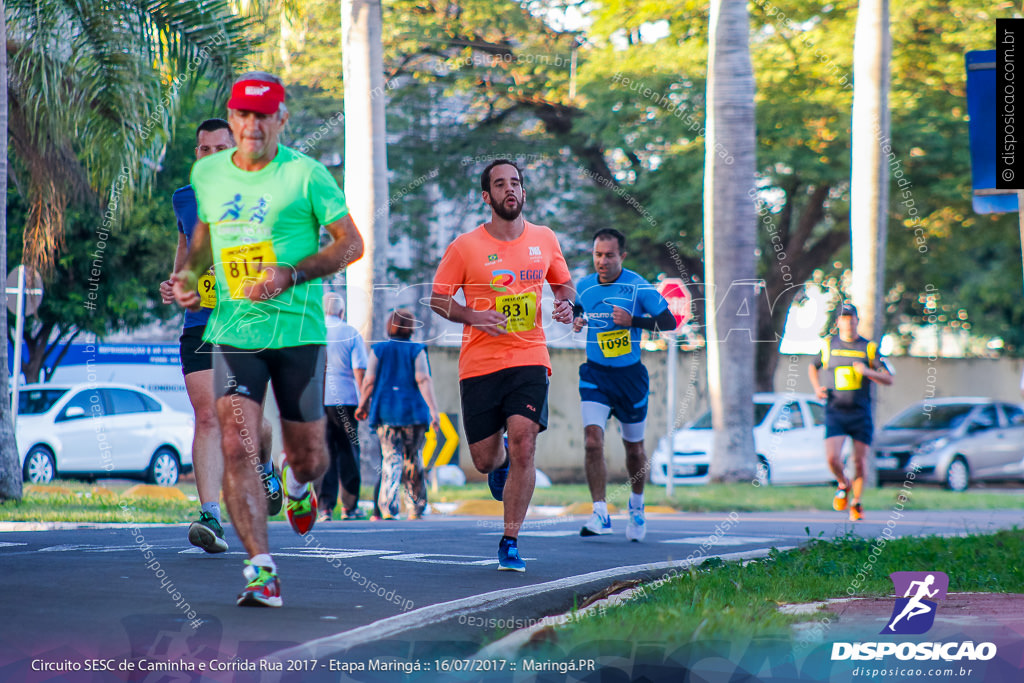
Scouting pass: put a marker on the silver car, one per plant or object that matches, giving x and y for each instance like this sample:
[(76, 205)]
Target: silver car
[(953, 441)]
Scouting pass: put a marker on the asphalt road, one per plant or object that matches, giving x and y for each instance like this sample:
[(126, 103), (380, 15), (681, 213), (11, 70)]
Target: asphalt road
[(353, 591)]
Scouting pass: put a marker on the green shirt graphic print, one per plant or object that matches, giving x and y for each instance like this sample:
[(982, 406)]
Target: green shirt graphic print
[(259, 218)]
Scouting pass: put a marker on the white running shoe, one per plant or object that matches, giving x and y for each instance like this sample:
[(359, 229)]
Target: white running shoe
[(597, 526), (636, 527)]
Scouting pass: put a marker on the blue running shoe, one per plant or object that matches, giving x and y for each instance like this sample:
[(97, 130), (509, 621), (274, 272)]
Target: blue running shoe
[(496, 478), (636, 527), (508, 557)]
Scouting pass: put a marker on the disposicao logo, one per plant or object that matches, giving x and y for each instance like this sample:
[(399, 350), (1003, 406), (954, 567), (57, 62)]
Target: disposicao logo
[(501, 278), (914, 613)]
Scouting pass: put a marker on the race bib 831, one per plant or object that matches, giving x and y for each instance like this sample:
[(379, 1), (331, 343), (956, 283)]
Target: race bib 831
[(519, 309)]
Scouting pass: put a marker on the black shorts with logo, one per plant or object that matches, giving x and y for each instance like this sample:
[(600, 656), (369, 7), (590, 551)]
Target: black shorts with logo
[(296, 373), (196, 355), (489, 400), (856, 423)]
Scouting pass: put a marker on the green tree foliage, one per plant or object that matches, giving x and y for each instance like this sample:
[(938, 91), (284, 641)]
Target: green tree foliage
[(620, 141), (94, 91), (105, 281), (951, 268)]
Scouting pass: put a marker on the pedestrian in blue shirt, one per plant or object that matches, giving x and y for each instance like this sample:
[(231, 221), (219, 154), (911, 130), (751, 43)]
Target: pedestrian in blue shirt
[(398, 400)]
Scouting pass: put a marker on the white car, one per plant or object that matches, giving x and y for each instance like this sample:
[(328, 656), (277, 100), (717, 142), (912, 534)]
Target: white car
[(789, 438), (101, 429)]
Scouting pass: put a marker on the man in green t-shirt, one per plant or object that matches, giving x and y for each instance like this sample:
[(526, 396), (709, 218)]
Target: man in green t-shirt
[(260, 208)]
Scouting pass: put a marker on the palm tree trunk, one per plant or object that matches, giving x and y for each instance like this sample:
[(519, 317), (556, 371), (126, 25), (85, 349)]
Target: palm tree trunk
[(10, 465), (730, 232), (366, 183), (869, 192)]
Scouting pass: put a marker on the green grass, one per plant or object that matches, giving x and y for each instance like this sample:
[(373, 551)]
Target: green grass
[(82, 506), (733, 599), (747, 498)]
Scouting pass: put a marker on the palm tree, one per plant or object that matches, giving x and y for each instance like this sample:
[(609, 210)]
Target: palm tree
[(730, 241), (869, 191), (366, 164), (93, 89)]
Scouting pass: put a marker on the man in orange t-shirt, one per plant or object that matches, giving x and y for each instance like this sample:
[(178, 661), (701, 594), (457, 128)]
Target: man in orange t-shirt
[(501, 267)]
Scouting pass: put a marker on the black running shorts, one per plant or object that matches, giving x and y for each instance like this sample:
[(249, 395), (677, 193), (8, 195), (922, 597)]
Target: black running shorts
[(489, 400), (296, 374), (196, 355)]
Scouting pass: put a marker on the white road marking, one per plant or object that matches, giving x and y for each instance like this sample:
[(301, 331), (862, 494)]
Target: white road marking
[(93, 548), (722, 540), (332, 553), (7, 545), (548, 534), (442, 559), (347, 530), (200, 551), (432, 614), (300, 552)]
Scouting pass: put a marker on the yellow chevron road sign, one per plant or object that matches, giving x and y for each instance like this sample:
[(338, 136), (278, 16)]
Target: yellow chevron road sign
[(448, 452)]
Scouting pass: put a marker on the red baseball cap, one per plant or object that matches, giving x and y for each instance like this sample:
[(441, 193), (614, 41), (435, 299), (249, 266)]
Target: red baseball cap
[(264, 97)]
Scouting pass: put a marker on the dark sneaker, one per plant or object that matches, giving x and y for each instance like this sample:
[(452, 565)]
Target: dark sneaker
[(207, 533), (496, 479), (263, 589), (275, 493), (324, 516), (354, 514), (508, 557)]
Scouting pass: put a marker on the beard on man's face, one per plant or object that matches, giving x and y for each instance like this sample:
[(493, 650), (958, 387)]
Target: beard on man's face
[(506, 212)]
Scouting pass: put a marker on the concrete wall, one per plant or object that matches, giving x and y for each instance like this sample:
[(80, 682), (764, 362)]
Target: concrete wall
[(560, 448)]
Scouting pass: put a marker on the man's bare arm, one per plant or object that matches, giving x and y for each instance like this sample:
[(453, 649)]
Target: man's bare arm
[(167, 286), (200, 258), (490, 321), (565, 298), (346, 248)]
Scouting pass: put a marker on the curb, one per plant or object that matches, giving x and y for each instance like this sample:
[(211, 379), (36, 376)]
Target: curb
[(509, 646)]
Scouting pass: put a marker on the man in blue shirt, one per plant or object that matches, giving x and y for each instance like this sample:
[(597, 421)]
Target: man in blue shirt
[(346, 366), (212, 136), (615, 304)]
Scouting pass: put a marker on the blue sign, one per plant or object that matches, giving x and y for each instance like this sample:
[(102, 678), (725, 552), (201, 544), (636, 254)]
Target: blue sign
[(151, 353), (981, 109)]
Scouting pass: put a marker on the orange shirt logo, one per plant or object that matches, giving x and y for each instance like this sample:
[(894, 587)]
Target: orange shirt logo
[(501, 279)]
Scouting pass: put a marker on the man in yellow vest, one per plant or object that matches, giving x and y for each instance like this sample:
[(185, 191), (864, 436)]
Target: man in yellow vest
[(852, 359)]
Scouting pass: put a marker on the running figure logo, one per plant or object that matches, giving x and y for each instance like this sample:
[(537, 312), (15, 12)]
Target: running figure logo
[(914, 613)]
